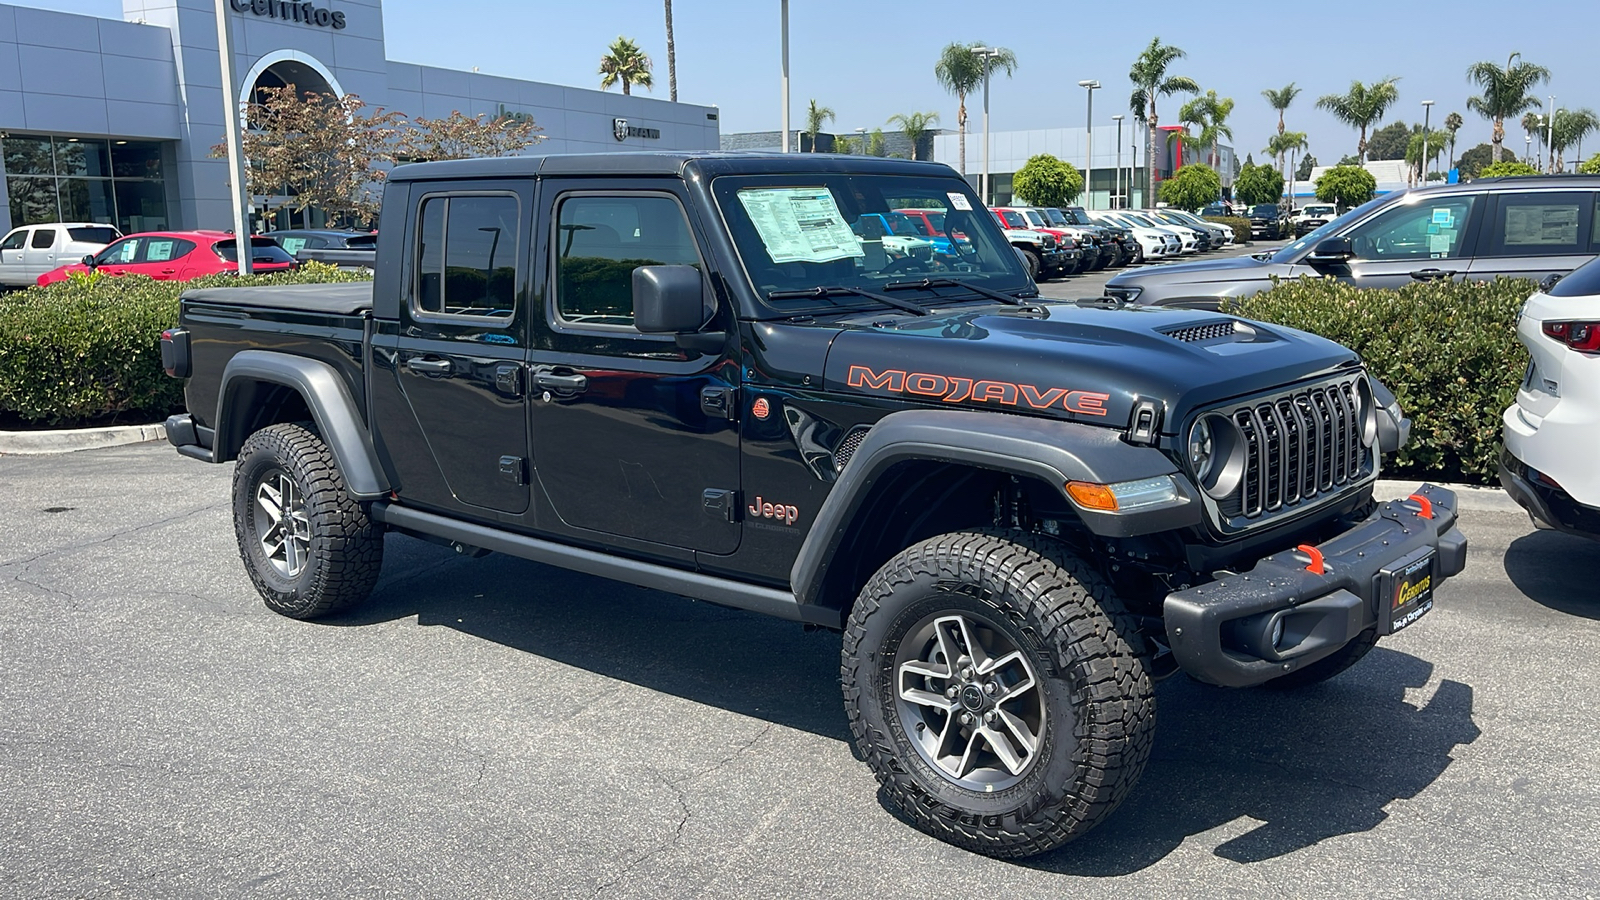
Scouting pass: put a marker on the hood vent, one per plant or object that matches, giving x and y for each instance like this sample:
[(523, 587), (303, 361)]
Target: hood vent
[(1209, 331)]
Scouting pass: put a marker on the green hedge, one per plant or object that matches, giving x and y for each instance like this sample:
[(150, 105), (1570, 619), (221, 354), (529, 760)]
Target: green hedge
[(1448, 350), (1240, 226), (88, 350)]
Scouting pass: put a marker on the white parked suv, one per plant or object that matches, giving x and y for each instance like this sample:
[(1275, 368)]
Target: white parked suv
[(1547, 464), (1155, 244), (32, 250)]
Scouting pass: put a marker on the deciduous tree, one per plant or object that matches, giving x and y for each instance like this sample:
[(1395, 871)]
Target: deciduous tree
[(1045, 180), (460, 136), (1346, 186), (1191, 187), (1258, 184)]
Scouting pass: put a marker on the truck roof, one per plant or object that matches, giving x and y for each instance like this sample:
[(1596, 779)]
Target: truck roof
[(662, 163)]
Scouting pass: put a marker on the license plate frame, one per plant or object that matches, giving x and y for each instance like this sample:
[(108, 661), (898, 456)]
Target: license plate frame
[(1405, 590)]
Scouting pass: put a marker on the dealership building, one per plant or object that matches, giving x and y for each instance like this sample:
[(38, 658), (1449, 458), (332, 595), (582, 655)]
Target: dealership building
[(114, 121)]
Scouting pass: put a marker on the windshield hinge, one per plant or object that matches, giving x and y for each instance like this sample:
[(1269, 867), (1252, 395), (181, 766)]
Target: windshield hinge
[(1144, 423)]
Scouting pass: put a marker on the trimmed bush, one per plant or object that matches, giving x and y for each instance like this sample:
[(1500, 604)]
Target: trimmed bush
[(1240, 226), (88, 350), (1448, 350)]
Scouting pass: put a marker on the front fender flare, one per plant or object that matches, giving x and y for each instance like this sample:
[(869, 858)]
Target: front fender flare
[(332, 408), (1050, 450)]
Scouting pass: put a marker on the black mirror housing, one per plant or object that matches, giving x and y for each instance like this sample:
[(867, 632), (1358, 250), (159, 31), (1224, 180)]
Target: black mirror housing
[(1332, 250), (669, 300), (88, 260)]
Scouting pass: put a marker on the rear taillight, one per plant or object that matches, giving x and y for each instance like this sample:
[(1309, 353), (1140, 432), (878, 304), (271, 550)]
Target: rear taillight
[(1581, 336), (175, 352)]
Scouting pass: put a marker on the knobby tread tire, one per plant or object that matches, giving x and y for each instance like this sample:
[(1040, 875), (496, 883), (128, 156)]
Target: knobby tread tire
[(1328, 666), (346, 551), (1087, 652)]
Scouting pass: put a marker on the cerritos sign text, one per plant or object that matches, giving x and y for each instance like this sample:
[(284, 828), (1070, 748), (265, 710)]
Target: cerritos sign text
[(291, 11)]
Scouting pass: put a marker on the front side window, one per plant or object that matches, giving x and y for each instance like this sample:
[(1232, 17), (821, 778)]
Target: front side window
[(600, 240), (14, 240), (1546, 224), (467, 255), (1431, 228), (121, 253)]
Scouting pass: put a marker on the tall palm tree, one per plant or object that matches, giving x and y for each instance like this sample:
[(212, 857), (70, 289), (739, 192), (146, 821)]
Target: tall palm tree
[(915, 126), (1280, 100), (672, 58), (960, 72), (816, 117), (1215, 127), (1281, 145), (1362, 105), (626, 63), (1505, 93), (1452, 124), (1571, 126), (1150, 80)]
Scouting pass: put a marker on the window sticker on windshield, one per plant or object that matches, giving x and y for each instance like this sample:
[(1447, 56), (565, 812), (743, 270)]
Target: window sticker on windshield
[(959, 201), (800, 224)]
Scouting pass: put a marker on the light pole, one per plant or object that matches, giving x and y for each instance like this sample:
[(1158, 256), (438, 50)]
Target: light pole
[(1089, 86), (1292, 154), (1550, 132), (1422, 164), (231, 134), (1117, 191), (1527, 147), (987, 55), (1133, 158), (786, 74)]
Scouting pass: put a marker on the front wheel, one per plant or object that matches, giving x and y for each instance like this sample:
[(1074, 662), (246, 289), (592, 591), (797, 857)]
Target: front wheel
[(998, 690), (308, 546), (1035, 265)]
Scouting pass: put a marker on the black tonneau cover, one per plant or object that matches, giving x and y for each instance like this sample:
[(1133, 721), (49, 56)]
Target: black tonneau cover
[(334, 299)]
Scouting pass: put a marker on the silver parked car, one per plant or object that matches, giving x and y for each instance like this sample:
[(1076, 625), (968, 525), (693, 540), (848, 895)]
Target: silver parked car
[(1530, 227), (32, 250)]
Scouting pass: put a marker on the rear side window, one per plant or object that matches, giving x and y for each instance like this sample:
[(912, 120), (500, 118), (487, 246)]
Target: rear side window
[(292, 245), (600, 240), (262, 250), (1542, 224), (467, 255), (15, 240), (88, 234), (157, 250), (43, 238)]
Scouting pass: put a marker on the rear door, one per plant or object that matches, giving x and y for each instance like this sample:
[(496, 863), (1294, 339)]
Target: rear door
[(40, 255), (460, 351), (161, 257), (12, 248), (1531, 234)]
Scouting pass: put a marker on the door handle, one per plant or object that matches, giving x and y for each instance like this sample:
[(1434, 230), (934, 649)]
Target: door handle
[(169, 271), (1432, 274), (546, 377), (428, 366)]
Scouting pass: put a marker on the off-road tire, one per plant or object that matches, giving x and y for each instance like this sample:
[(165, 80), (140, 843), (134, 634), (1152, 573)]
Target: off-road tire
[(344, 549), (1328, 666), (1099, 707), (1035, 264)]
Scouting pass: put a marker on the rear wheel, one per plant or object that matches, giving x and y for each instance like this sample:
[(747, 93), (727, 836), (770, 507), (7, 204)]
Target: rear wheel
[(998, 690)]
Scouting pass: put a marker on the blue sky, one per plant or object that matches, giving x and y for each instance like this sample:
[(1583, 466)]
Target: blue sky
[(871, 60)]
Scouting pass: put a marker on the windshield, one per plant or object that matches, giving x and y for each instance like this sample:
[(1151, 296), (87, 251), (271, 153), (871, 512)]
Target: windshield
[(1265, 209), (1036, 218), (1292, 251), (799, 233), (906, 226), (1056, 216), (1319, 210), (1013, 220)]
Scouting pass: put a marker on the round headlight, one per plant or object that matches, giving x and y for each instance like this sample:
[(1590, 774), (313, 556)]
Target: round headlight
[(1366, 412), (1200, 449), (1215, 453)]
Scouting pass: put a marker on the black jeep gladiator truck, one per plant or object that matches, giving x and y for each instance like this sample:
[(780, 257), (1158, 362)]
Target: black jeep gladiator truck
[(686, 371)]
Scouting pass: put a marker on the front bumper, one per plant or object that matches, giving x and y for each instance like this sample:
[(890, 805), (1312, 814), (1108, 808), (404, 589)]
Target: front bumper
[(1549, 507), (1219, 632)]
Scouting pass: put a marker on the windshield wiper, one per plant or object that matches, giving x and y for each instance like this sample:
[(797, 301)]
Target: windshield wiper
[(823, 292), (929, 283)]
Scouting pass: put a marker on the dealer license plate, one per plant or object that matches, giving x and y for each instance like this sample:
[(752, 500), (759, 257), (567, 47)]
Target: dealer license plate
[(1408, 590)]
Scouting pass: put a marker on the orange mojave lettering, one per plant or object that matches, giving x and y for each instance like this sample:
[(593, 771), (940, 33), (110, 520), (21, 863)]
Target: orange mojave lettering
[(952, 389)]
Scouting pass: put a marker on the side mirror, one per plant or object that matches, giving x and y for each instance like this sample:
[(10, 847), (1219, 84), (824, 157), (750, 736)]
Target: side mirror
[(1332, 250), (88, 260), (668, 300)]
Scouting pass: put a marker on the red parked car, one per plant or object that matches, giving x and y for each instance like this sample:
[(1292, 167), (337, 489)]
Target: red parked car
[(177, 256)]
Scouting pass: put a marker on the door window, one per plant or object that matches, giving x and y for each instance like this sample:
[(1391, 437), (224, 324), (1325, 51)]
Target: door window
[(14, 240), (467, 256), (43, 238), (121, 253), (1428, 229), (159, 250), (1542, 224), (600, 240)]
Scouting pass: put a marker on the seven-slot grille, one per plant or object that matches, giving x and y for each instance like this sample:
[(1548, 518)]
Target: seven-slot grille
[(1299, 446)]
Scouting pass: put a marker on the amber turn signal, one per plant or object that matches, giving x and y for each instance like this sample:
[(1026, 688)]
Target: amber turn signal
[(1092, 496)]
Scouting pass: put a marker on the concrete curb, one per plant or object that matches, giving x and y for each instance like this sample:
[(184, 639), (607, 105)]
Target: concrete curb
[(1468, 496), (68, 440)]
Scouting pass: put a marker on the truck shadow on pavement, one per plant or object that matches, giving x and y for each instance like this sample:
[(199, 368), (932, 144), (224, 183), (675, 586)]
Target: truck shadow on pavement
[(1307, 765), (1556, 571)]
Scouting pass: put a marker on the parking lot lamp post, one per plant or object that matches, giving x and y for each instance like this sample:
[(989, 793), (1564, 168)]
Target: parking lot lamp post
[(987, 54), (1088, 154), (1116, 192), (1291, 179), (1427, 109), (231, 135), (785, 79), (1550, 132), (1527, 147)]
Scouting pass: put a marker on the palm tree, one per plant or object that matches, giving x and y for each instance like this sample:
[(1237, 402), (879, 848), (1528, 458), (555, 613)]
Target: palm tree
[(1452, 124), (960, 72), (624, 63), (816, 117), (1280, 100), (1281, 145), (672, 58), (1533, 125), (1362, 105), (1415, 153), (1215, 128), (1150, 80), (1569, 130), (1505, 93), (915, 126)]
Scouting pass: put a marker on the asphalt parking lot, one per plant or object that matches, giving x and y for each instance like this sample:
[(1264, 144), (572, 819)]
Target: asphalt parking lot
[(496, 728)]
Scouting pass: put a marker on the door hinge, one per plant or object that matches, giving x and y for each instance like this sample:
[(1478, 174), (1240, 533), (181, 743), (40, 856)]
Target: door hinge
[(719, 401), (514, 469), (721, 504), (508, 379)]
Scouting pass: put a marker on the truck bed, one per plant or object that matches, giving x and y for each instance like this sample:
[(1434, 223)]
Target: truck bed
[(331, 299)]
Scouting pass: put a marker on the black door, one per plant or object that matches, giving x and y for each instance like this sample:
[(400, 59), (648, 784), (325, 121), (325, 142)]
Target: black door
[(632, 435), (460, 351)]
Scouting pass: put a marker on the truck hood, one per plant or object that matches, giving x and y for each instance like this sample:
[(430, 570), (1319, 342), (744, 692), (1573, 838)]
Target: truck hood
[(1087, 364)]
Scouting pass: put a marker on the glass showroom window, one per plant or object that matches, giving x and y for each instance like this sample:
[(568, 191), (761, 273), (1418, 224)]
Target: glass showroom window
[(66, 179)]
